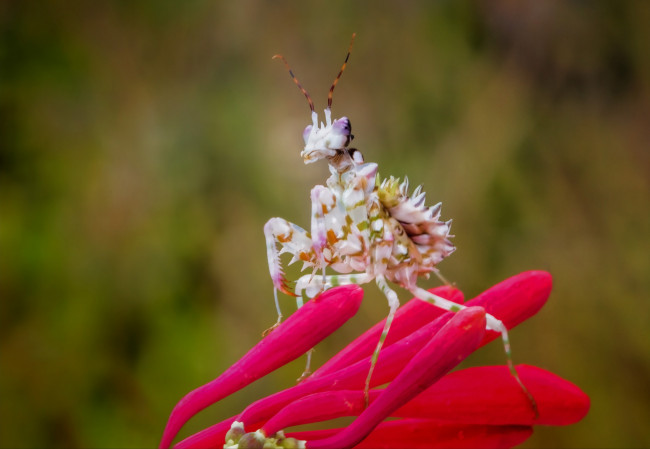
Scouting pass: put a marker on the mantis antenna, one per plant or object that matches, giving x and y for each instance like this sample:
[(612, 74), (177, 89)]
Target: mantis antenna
[(295, 80), (329, 96)]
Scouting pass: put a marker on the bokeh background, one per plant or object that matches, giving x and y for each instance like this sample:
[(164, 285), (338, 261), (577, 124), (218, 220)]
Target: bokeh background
[(144, 144)]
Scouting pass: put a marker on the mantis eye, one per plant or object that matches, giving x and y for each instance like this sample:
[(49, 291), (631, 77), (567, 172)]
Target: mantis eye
[(342, 127), (306, 133)]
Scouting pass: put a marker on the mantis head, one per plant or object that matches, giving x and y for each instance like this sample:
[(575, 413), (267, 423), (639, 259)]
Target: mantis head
[(329, 140)]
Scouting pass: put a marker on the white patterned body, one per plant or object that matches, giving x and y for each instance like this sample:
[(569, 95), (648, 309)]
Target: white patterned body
[(364, 227)]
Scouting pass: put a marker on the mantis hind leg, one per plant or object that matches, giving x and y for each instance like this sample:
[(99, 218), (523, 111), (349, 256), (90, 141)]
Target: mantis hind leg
[(497, 325), (393, 304), (492, 324)]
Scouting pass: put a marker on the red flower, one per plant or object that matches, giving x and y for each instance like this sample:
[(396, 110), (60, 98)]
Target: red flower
[(476, 407)]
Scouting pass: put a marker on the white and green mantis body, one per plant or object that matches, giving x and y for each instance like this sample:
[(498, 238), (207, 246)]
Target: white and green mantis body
[(362, 228)]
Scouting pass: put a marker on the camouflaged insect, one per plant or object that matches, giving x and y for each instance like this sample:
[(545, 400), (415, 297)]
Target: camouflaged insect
[(358, 223), (361, 227)]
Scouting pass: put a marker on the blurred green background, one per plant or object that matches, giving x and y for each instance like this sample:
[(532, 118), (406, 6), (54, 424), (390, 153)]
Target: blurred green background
[(143, 145)]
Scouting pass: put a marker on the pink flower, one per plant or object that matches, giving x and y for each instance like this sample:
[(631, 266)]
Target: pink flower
[(476, 407)]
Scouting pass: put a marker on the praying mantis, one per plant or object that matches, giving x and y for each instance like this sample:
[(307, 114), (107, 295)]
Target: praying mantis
[(363, 228)]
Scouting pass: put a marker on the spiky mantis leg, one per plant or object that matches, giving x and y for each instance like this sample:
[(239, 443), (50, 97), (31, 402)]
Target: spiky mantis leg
[(492, 324), (393, 304), (294, 240)]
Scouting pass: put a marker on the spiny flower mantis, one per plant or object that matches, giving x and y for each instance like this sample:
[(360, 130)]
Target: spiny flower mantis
[(363, 228)]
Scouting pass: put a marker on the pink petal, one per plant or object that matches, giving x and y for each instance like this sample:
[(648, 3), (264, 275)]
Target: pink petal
[(515, 300), (319, 407), (455, 341), (421, 433), (299, 333), (211, 437), (490, 395)]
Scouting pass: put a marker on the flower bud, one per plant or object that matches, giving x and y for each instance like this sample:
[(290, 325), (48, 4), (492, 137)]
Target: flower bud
[(235, 433), (252, 440)]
